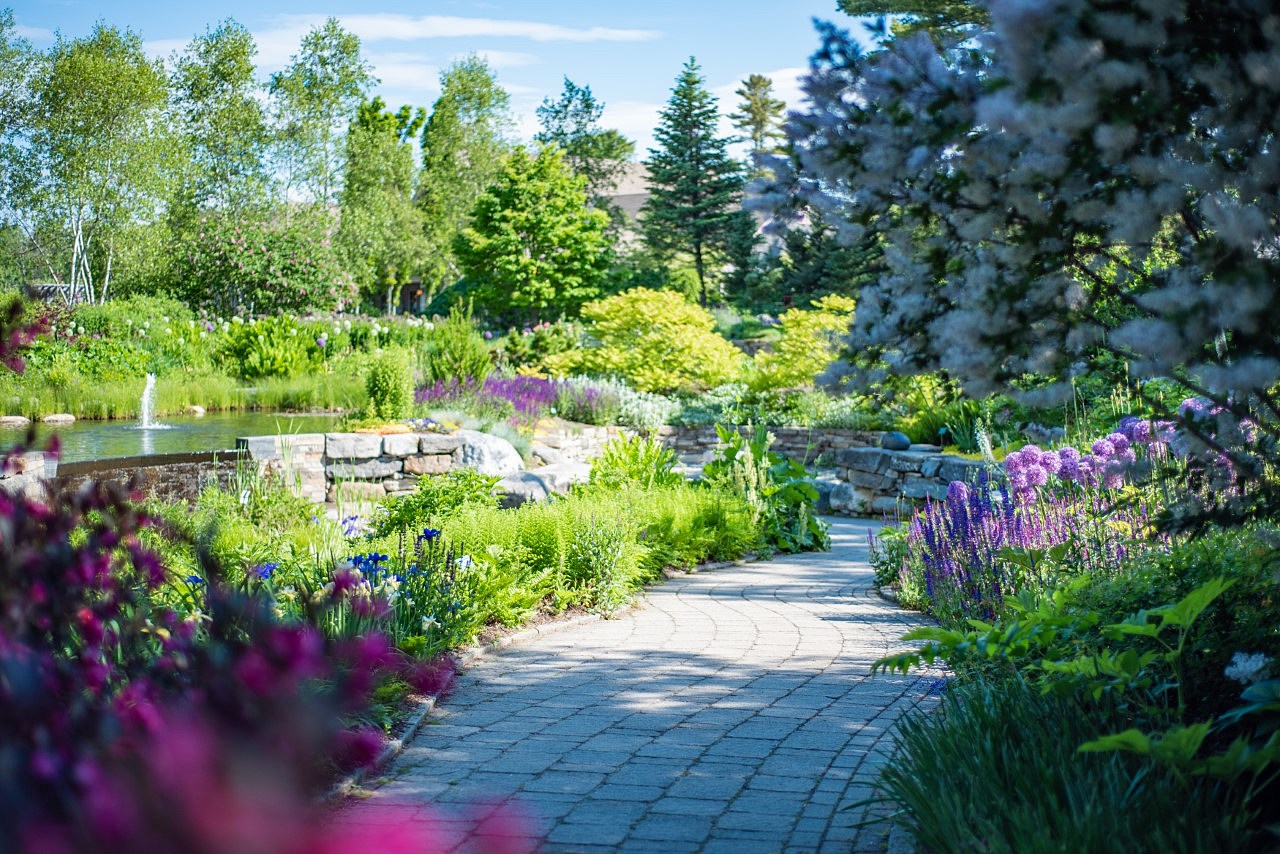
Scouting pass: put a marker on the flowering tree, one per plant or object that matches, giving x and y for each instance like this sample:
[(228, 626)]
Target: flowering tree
[(1093, 179), (265, 266)]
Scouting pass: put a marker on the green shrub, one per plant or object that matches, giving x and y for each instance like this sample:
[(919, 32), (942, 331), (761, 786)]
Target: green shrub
[(529, 347), (777, 490), (656, 340), (270, 347), (455, 351), (634, 462), (998, 766), (390, 387), (810, 341)]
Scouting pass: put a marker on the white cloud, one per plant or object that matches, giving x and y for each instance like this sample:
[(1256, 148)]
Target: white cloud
[(393, 27), (502, 58), (35, 34)]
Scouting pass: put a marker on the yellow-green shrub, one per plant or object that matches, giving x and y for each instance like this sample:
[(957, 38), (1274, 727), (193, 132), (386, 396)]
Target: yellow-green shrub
[(656, 340), (810, 341)]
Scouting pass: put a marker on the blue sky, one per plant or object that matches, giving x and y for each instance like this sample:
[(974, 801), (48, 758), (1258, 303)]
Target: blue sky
[(628, 53)]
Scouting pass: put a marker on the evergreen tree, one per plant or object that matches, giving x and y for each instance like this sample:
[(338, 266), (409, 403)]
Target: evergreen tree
[(597, 154), (759, 115), (815, 262), (945, 20), (464, 145), (534, 245), (694, 185)]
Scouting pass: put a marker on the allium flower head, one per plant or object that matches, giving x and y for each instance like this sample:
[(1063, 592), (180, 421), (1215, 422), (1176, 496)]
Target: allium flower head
[(1103, 448)]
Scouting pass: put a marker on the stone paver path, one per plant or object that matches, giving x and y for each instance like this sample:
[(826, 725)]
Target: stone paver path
[(732, 710)]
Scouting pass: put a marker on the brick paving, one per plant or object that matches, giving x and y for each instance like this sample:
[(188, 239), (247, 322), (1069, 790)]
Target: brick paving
[(733, 711)]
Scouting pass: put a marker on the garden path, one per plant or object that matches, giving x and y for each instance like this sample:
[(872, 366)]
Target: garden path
[(732, 710)]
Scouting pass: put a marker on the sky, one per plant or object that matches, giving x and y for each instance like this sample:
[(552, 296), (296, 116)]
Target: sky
[(629, 54)]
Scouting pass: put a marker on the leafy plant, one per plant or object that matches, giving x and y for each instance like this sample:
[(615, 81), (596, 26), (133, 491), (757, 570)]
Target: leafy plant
[(390, 387), (270, 347), (634, 462), (656, 340), (455, 351), (777, 490)]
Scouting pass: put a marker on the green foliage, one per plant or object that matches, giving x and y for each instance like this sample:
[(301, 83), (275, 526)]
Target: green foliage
[(380, 230), (222, 122), (809, 343), (261, 265), (815, 261), (437, 497), (464, 145), (534, 248), (777, 490), (656, 340), (694, 185), (944, 20), (97, 154), (316, 96), (390, 387), (598, 155), (634, 462), (998, 763), (530, 346), (759, 115), (455, 351), (271, 347)]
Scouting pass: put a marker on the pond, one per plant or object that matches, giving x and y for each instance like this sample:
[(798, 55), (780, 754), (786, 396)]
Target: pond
[(104, 440)]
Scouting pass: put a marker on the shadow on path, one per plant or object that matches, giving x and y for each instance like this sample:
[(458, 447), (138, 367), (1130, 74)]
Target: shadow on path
[(732, 710)]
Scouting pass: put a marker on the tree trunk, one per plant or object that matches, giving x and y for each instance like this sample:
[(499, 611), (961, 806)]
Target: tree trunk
[(702, 280)]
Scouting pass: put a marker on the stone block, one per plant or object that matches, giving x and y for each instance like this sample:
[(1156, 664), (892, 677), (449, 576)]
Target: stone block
[(366, 469), (400, 445), (352, 446), (921, 487), (292, 445), (521, 487), (397, 485), (428, 464), (929, 468), (871, 480), (886, 505), (959, 468), (907, 461), (861, 459), (487, 454), (260, 447), (438, 443)]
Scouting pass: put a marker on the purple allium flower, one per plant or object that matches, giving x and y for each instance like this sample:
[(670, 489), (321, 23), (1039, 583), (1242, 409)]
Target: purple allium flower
[(488, 336), (1193, 407), (957, 492), (1119, 441), (1036, 476), (1103, 448), (1050, 462)]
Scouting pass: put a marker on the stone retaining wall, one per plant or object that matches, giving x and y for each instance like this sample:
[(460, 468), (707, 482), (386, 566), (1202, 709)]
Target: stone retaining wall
[(877, 481), (358, 466), (164, 477), (328, 466), (806, 444)]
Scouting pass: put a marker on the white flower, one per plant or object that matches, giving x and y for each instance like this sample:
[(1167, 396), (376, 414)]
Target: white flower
[(1247, 669)]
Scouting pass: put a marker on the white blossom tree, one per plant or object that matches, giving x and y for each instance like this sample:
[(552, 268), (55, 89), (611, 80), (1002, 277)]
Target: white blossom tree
[(1088, 178)]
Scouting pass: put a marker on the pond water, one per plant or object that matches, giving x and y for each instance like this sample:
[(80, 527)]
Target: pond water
[(104, 440)]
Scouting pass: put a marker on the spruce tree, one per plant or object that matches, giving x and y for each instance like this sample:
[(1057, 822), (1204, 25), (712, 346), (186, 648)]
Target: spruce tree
[(694, 185), (759, 115)]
